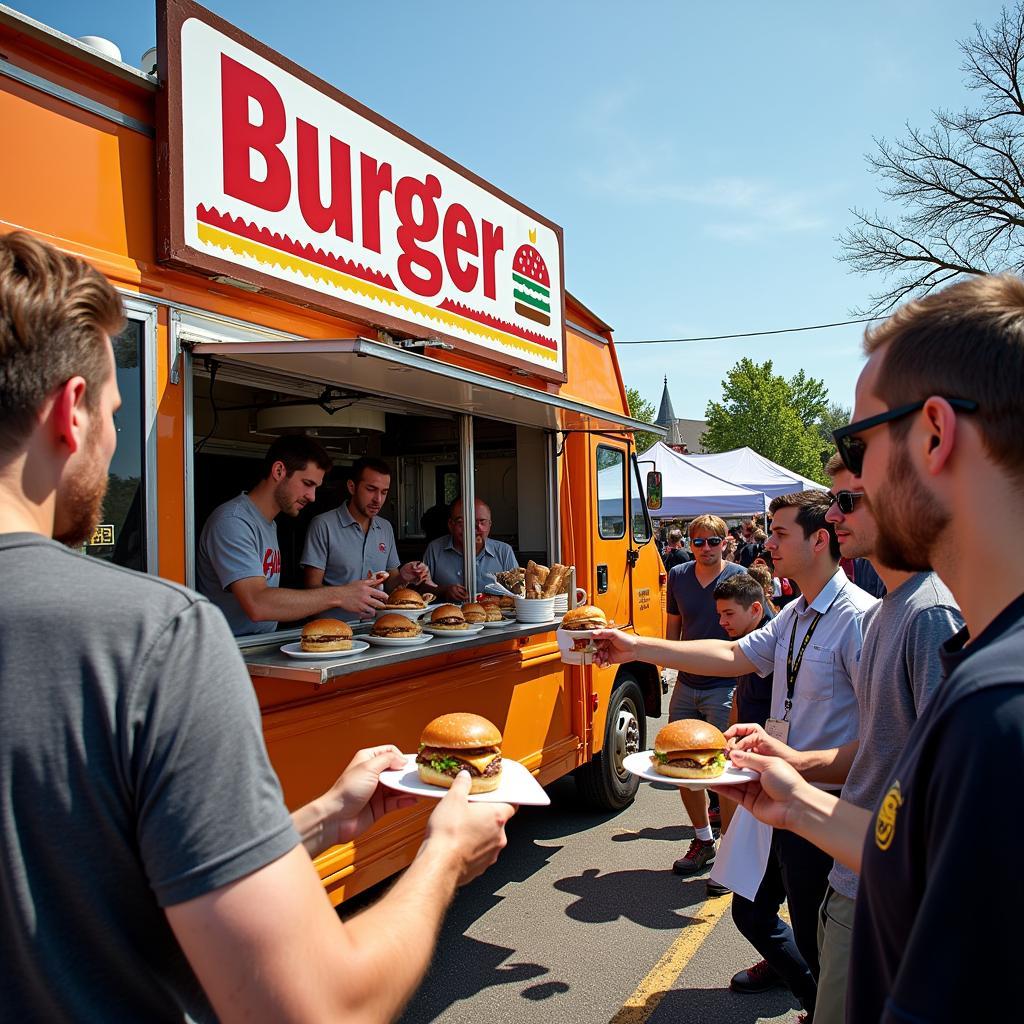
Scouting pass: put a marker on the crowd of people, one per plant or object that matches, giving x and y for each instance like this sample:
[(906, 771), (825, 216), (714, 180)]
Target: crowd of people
[(885, 718)]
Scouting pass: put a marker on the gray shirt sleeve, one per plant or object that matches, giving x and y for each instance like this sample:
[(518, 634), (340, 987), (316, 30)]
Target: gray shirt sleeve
[(209, 807), (317, 546), (930, 628), (235, 551)]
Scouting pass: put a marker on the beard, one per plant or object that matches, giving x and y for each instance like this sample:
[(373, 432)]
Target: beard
[(909, 520), (81, 501)]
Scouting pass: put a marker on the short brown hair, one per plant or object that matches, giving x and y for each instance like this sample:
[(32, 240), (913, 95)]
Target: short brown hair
[(296, 451), (835, 465), (368, 462), (712, 524), (966, 341), (763, 575), (56, 316), (742, 588), (811, 507)]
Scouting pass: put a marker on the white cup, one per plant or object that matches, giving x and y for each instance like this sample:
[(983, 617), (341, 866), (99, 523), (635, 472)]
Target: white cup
[(535, 609)]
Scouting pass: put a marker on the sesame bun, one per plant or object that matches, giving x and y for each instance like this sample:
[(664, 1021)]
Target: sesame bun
[(448, 616), (326, 635), (473, 612), (461, 730), (396, 625)]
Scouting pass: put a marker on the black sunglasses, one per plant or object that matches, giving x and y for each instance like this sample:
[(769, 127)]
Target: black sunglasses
[(852, 448), (846, 500), (712, 542)]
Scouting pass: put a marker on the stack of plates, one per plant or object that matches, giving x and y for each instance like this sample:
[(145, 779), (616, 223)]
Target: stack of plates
[(535, 609)]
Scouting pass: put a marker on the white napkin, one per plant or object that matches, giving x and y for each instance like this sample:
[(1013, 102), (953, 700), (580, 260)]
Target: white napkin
[(743, 854)]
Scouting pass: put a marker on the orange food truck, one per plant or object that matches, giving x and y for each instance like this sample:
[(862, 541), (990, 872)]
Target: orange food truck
[(292, 262)]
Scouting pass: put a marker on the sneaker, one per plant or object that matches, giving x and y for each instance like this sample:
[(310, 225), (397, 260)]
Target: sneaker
[(717, 889), (759, 978), (698, 856), (715, 817)]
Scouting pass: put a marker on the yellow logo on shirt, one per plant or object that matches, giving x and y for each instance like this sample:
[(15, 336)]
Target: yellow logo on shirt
[(885, 823)]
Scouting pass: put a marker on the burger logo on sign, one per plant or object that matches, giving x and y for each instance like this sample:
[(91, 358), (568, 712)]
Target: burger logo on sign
[(531, 283)]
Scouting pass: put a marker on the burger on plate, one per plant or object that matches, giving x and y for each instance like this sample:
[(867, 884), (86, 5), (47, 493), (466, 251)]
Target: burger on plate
[(689, 749), (325, 635), (585, 618), (492, 610), (457, 742), (474, 612), (396, 626), (448, 616), (402, 597)]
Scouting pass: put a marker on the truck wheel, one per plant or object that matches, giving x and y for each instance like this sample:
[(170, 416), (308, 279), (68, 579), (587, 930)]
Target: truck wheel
[(604, 783)]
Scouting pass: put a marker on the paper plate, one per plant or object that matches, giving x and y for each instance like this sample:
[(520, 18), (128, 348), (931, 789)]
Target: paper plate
[(517, 785), (640, 764), (295, 651), (498, 624)]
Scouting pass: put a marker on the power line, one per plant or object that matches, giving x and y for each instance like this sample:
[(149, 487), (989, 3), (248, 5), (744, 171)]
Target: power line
[(750, 334)]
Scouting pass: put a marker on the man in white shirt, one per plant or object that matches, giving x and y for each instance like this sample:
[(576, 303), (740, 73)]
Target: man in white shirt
[(812, 645)]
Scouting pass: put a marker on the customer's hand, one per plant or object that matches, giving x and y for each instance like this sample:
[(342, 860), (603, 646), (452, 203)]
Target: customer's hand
[(614, 647), (752, 737), (473, 834), (774, 796)]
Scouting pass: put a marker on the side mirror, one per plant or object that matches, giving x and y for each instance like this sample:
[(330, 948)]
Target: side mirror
[(654, 490)]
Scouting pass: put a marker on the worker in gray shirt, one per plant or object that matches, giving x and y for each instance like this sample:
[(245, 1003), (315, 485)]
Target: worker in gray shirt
[(898, 672), (353, 542), (443, 556), (238, 564)]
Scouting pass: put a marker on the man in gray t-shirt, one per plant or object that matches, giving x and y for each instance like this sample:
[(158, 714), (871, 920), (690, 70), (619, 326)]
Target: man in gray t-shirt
[(149, 869), (238, 560)]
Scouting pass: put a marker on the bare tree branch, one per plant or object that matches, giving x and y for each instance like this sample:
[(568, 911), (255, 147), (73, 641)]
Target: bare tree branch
[(960, 181)]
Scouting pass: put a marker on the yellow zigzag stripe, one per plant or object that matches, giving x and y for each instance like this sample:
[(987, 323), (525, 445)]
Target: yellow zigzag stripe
[(269, 256)]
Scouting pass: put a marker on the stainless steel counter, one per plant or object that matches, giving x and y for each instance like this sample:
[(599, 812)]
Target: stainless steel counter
[(268, 659)]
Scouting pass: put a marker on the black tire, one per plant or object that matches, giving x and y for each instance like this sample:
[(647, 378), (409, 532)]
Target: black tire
[(603, 783)]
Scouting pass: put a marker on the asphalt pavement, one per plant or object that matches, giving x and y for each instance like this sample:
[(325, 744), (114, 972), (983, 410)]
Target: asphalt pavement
[(581, 920)]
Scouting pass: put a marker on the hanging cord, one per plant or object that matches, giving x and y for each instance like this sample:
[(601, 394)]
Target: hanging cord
[(213, 366)]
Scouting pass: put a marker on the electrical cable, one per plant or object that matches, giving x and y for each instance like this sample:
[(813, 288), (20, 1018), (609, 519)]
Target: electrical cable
[(750, 334)]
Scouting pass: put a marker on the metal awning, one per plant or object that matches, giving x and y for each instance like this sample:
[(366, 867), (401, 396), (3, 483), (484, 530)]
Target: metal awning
[(384, 369)]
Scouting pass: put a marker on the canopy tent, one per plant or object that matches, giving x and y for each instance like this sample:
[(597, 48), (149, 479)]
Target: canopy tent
[(745, 467), (688, 490)]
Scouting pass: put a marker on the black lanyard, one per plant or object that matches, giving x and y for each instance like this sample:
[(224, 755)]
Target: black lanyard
[(793, 668)]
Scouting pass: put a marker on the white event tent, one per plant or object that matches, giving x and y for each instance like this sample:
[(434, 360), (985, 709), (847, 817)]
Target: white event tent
[(743, 466), (690, 490)]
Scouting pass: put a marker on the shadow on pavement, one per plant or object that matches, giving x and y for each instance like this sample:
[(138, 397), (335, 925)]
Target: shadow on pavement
[(665, 834), (646, 897), (718, 1005)]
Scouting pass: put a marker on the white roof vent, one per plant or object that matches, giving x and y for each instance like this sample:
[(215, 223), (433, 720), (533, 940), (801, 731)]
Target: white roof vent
[(101, 45), (147, 62)]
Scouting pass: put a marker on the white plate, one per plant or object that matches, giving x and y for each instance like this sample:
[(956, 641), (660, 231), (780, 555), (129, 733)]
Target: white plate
[(295, 651), (476, 627), (397, 641), (640, 764), (497, 624), (409, 613), (517, 785)]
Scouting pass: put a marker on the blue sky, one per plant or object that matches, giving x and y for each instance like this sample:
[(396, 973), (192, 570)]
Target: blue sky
[(701, 158)]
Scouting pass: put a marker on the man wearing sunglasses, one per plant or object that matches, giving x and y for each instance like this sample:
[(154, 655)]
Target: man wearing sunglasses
[(899, 669), (937, 445), (693, 615), (858, 567), (812, 646)]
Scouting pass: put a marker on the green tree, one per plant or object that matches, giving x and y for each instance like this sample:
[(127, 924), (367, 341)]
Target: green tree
[(835, 416), (641, 409), (778, 418)]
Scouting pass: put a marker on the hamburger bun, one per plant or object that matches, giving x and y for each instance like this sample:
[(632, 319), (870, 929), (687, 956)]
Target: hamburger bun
[(448, 616), (586, 616), (326, 635), (402, 597), (492, 610), (689, 749), (396, 626), (473, 612), (456, 742)]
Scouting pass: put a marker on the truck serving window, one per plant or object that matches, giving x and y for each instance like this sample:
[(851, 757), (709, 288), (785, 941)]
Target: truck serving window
[(611, 496), (638, 506), (121, 535)]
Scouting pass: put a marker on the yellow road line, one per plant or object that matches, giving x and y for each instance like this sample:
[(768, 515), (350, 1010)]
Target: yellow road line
[(660, 979)]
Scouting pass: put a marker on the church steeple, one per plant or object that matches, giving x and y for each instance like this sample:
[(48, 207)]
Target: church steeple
[(666, 414)]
